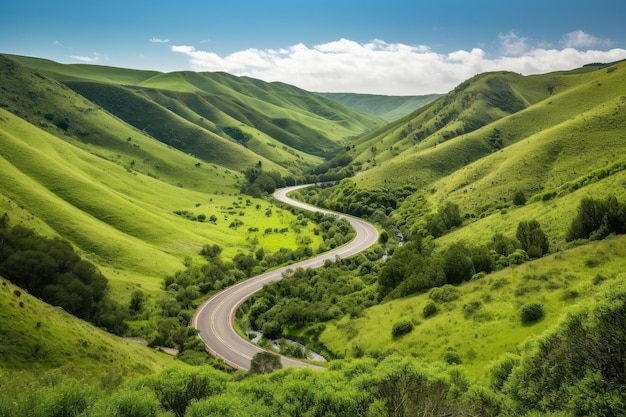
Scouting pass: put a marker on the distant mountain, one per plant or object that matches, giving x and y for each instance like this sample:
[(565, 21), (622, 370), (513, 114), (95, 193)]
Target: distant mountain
[(388, 108)]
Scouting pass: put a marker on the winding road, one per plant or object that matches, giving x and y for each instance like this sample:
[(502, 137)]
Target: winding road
[(215, 317)]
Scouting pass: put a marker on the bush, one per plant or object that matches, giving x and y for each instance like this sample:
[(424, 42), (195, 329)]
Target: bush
[(519, 199), (530, 313), (452, 358), (264, 363), (430, 309), (401, 328), (444, 294), (501, 371), (597, 219)]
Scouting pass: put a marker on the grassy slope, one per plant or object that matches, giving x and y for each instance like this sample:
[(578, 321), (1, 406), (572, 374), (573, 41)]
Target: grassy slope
[(560, 282), (403, 157), (566, 147), (388, 108), (112, 197), (288, 124), (35, 337)]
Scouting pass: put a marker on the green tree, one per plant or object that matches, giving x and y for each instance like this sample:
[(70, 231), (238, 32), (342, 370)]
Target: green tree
[(137, 300), (264, 363), (532, 239), (457, 264)]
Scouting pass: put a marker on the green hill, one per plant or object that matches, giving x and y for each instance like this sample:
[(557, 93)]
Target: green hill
[(215, 116), (37, 337), (555, 139), (127, 166), (482, 116), (388, 108), (73, 170)]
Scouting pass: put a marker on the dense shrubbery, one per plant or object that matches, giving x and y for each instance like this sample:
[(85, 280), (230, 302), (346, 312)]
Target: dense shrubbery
[(532, 239), (394, 386), (596, 219), (375, 205), (51, 270), (579, 366), (307, 297)]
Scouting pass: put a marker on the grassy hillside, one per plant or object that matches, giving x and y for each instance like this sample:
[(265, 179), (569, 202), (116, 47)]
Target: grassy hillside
[(216, 116), (388, 108), (554, 138), (71, 169), (481, 116), (482, 324), (37, 337)]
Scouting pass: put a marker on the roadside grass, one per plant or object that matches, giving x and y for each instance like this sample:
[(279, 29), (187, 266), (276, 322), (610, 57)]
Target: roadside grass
[(35, 337), (483, 324)]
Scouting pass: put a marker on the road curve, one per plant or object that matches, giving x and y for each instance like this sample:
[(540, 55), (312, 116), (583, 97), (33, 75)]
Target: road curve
[(215, 317)]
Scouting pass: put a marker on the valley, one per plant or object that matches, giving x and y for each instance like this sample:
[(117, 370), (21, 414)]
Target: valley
[(480, 253)]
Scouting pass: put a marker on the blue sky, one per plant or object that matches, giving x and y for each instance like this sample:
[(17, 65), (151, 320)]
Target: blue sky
[(384, 47)]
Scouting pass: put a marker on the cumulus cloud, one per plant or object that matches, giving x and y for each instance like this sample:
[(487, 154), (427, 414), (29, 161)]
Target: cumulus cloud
[(157, 40), (378, 67), (513, 44), (580, 39)]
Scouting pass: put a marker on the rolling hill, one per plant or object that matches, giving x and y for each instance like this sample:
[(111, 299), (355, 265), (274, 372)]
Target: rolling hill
[(486, 114), (215, 116), (389, 108)]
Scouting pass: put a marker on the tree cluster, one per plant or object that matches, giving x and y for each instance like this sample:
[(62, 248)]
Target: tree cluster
[(596, 219), (51, 270), (311, 296), (579, 366)]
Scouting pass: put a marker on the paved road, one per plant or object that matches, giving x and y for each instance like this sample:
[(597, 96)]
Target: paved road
[(215, 317)]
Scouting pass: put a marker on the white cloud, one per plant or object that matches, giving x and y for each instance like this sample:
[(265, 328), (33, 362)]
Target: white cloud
[(513, 44), (580, 39), (378, 67), (86, 58), (157, 40)]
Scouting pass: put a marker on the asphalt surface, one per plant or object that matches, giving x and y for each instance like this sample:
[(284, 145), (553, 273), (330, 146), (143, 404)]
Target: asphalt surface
[(215, 317)]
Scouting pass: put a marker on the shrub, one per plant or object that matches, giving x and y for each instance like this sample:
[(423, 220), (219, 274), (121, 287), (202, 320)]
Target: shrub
[(519, 199), (444, 294), (501, 371), (470, 307), (401, 328), (597, 219), (430, 309), (530, 313), (518, 257), (452, 358), (264, 363)]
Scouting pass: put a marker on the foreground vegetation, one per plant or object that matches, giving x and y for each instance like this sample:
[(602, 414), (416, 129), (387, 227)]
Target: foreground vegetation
[(577, 366)]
